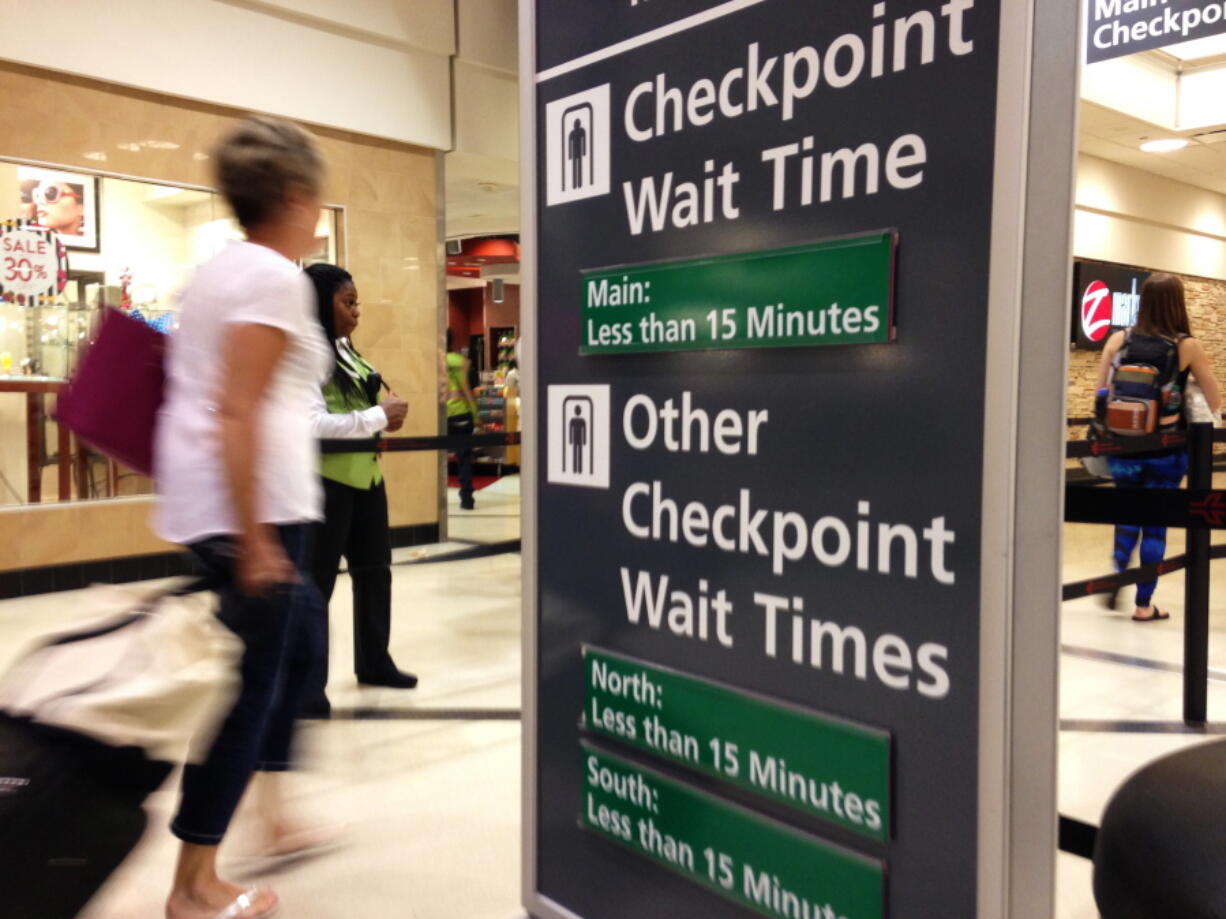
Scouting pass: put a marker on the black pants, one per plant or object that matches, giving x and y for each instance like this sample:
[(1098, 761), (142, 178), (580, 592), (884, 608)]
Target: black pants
[(281, 631), (463, 425), (355, 526)]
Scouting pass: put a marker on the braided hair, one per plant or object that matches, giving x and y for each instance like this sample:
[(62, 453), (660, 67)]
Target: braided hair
[(328, 279)]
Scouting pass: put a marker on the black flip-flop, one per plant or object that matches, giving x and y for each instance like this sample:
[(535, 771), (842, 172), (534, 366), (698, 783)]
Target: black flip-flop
[(1158, 614)]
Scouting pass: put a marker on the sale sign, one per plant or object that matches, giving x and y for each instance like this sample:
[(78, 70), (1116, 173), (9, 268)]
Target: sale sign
[(33, 262)]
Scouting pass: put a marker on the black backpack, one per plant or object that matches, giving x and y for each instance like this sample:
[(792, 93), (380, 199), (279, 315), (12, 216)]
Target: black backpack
[(1143, 391)]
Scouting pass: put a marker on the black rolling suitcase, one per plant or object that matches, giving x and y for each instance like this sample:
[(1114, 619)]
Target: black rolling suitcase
[(93, 719), (70, 812)]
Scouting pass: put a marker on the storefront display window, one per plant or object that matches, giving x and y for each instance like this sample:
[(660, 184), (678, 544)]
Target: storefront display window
[(70, 245)]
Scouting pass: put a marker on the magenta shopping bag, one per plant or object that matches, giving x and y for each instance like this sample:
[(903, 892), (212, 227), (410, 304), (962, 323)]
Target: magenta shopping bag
[(112, 400)]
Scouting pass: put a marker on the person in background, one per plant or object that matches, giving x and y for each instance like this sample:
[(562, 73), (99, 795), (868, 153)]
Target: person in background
[(461, 418), (352, 406), (1163, 314), (237, 484), (473, 376)]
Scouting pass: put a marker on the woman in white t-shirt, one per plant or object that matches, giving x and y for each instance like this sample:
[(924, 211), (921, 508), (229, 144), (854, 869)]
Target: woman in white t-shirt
[(237, 481)]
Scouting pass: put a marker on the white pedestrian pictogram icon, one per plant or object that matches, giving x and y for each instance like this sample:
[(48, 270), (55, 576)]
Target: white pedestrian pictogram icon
[(578, 439), (577, 146), (577, 431)]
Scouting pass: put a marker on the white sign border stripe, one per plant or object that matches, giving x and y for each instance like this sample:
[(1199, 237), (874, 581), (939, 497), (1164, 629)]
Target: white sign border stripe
[(647, 38)]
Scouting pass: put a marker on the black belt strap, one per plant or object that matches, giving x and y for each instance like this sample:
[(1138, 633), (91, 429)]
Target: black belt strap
[(345, 445), (403, 444)]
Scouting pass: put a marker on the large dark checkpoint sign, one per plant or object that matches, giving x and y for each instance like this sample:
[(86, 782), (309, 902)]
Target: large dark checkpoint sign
[(763, 233)]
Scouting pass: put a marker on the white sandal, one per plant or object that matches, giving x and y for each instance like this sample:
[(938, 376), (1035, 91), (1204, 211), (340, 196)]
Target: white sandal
[(245, 901)]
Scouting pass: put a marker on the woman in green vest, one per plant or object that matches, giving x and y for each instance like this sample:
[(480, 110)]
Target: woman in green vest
[(462, 419), (352, 406)]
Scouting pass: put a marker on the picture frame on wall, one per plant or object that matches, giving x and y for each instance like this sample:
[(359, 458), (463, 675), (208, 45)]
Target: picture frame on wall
[(66, 202)]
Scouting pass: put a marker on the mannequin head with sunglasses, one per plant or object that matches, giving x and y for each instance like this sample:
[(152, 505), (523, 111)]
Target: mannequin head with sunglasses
[(60, 206)]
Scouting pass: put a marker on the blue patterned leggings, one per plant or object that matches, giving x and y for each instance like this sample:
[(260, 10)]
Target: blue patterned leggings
[(1156, 472)]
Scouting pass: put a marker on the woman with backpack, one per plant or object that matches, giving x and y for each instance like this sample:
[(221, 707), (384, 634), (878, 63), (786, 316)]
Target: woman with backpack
[(1161, 344)]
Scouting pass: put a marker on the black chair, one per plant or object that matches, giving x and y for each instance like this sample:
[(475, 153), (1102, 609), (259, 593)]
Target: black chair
[(1161, 849)]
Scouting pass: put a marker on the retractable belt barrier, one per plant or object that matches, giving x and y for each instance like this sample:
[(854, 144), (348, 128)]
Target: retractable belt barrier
[(1073, 422), (1079, 448), (1110, 582), (1077, 837), (1076, 449), (413, 444), (1198, 509), (1151, 507)]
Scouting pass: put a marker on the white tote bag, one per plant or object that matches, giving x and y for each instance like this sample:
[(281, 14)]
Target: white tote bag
[(1198, 406), (153, 670)]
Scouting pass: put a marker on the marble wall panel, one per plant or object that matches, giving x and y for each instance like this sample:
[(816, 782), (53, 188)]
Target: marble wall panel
[(66, 533)]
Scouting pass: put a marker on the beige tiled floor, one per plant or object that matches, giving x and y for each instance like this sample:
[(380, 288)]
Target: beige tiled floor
[(1093, 764), (432, 806)]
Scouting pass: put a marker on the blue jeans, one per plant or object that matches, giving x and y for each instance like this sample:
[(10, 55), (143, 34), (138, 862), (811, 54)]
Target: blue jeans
[(282, 632), (1155, 472)]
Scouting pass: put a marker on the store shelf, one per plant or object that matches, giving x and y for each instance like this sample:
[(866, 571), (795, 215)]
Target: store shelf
[(497, 414)]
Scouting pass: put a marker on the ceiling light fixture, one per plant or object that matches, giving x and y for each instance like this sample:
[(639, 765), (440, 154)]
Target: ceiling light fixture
[(1165, 145)]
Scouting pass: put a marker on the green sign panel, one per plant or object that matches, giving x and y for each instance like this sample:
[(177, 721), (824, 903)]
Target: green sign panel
[(839, 292), (759, 863), (825, 767)]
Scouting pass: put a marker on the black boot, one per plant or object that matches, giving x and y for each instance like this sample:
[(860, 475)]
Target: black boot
[(392, 679), (318, 708)]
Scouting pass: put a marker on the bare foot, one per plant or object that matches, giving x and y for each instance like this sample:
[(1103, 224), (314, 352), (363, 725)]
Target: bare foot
[(207, 901), (1149, 614), (276, 829)]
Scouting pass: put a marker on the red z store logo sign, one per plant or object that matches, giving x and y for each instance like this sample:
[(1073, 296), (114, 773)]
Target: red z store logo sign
[(1096, 311)]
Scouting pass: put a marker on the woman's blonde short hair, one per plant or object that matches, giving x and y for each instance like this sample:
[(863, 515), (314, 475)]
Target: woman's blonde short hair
[(261, 159)]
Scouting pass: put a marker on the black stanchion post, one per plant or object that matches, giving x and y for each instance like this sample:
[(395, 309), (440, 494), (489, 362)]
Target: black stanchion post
[(1196, 585)]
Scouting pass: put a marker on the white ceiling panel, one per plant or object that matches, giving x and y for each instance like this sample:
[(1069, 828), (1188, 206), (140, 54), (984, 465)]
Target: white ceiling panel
[(1117, 136), (1198, 50)]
